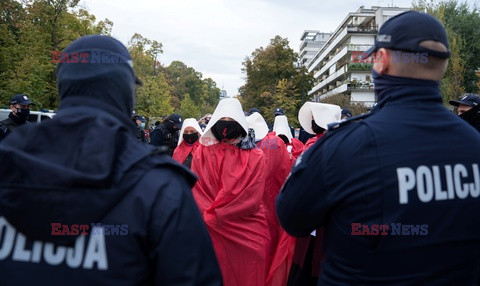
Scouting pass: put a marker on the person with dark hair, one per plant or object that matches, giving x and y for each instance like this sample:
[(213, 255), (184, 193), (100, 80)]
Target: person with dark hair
[(83, 202), (278, 167), (468, 108), (20, 109), (397, 190), (294, 146), (167, 133), (229, 193)]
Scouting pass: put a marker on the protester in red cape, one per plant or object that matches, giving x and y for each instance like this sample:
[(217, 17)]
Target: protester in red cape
[(409, 161), (85, 169), (20, 106), (294, 146), (188, 142), (468, 108), (229, 193), (315, 117), (278, 167)]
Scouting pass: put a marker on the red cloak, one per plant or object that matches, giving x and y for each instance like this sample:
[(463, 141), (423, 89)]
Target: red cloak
[(312, 141), (183, 150), (297, 149), (282, 247), (229, 194)]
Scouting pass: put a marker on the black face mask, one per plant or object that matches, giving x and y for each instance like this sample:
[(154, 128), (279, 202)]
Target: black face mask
[(317, 129), (284, 138), (227, 130), (23, 113), (190, 138)]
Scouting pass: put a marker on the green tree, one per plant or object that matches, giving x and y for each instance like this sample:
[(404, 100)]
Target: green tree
[(29, 33), (188, 109), (153, 99), (461, 22), (203, 92), (272, 80)]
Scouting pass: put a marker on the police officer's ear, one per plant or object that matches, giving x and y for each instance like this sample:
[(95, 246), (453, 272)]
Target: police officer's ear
[(383, 61)]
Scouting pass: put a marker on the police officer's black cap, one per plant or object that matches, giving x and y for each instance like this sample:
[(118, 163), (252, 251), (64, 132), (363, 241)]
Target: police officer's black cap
[(346, 112), (20, 99), (278, 111), (406, 31), (468, 99), (176, 119)]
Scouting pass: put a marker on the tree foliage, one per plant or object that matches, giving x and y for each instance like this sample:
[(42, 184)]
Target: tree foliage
[(461, 22), (272, 80), (188, 109), (186, 80), (30, 30)]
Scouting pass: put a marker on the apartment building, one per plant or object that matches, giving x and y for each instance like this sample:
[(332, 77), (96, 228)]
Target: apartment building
[(337, 69), (311, 42)]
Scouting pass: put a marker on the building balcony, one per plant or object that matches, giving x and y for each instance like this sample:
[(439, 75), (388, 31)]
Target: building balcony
[(360, 86), (362, 29), (359, 67)]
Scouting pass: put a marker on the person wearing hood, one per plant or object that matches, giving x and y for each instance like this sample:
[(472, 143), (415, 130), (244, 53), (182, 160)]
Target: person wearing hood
[(306, 267), (468, 108), (20, 106), (314, 118), (294, 146), (83, 202), (397, 190), (278, 167), (229, 193), (167, 133), (188, 143)]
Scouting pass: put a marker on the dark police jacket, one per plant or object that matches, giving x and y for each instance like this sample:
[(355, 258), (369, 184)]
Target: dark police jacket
[(9, 124), (84, 172), (397, 193), (162, 136)]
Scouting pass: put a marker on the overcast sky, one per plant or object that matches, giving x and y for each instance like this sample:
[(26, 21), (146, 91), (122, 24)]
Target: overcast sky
[(215, 36)]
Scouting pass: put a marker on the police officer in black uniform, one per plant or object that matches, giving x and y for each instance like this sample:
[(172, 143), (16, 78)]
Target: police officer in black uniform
[(167, 133), (20, 106), (83, 202), (140, 124), (397, 190), (468, 108)]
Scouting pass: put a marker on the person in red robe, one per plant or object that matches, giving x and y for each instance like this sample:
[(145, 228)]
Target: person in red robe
[(282, 129), (315, 117), (188, 142), (229, 194), (278, 167)]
